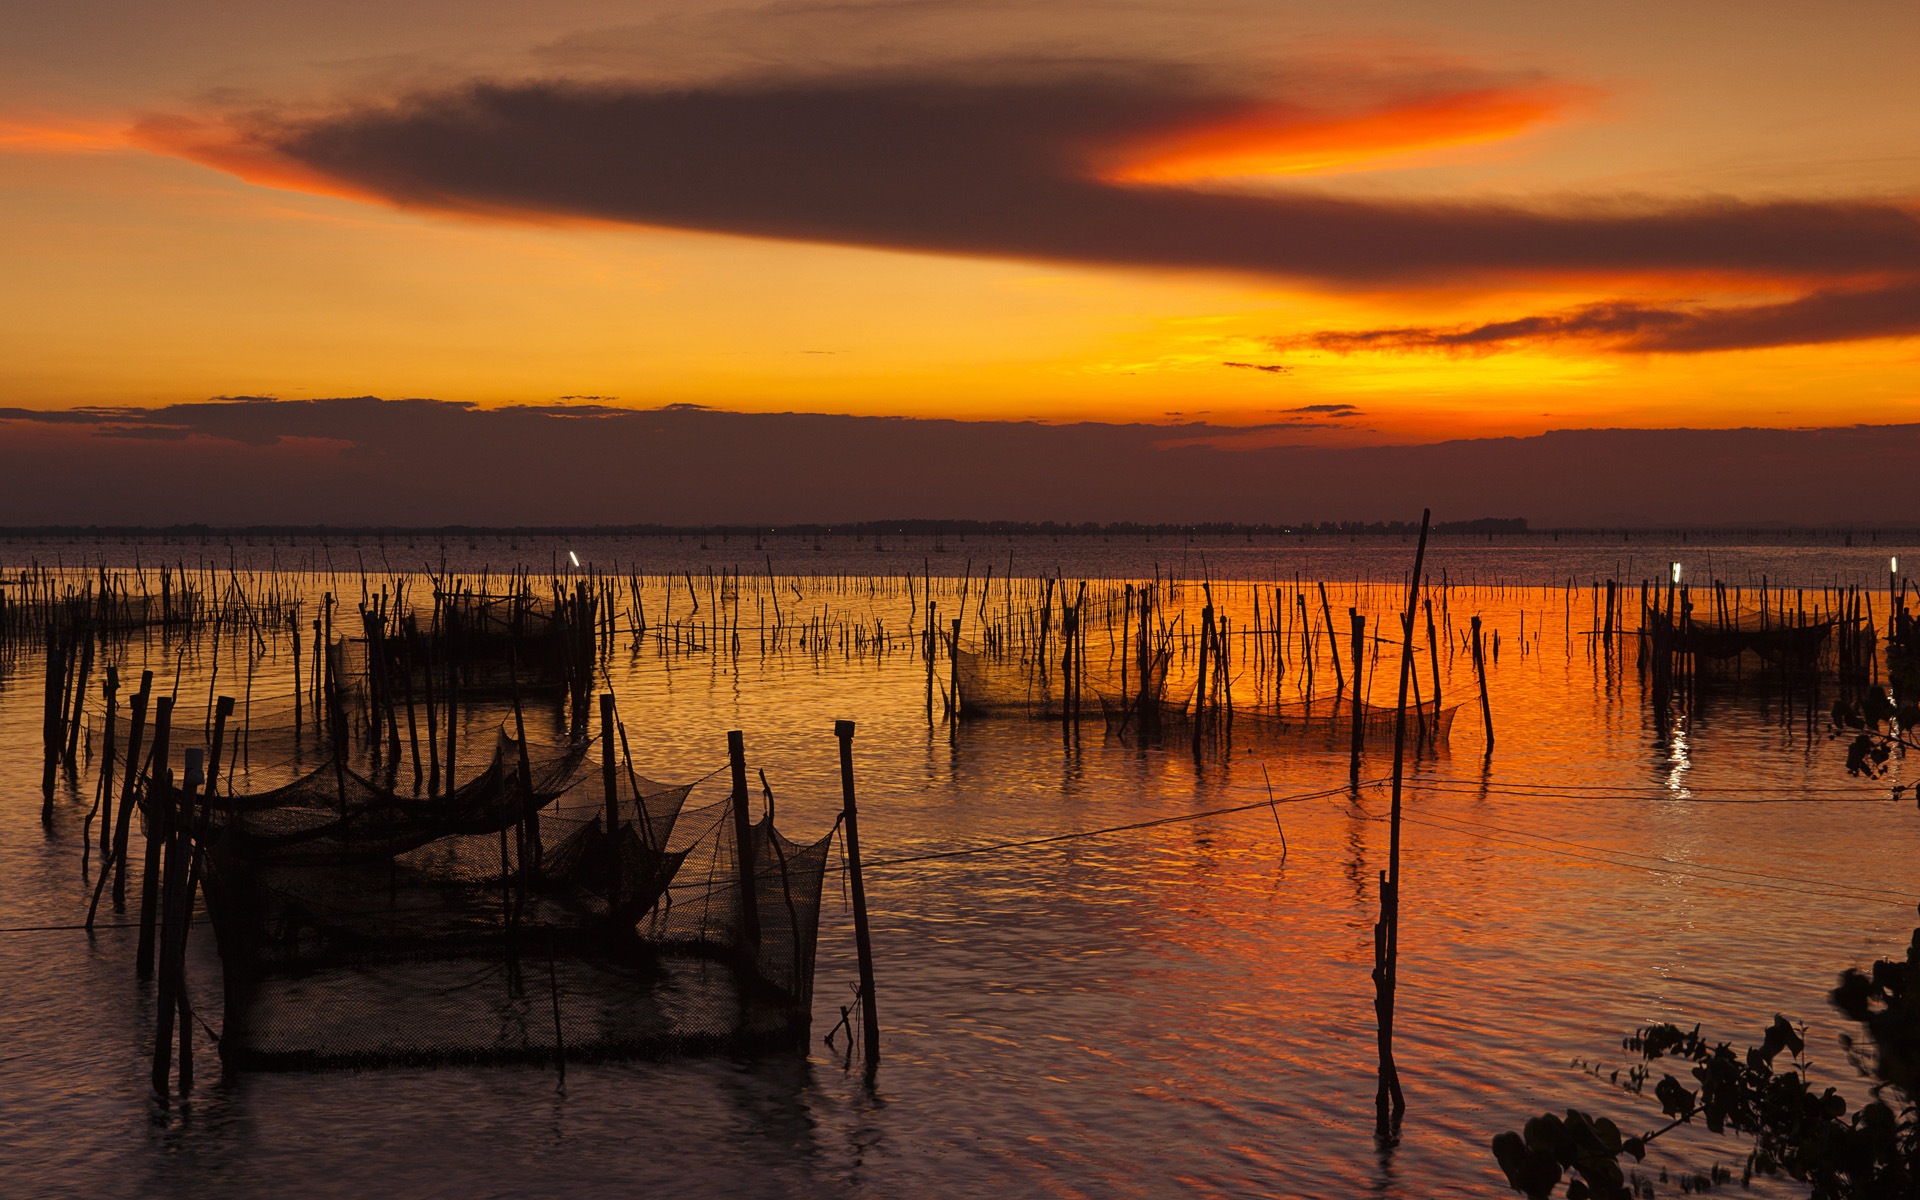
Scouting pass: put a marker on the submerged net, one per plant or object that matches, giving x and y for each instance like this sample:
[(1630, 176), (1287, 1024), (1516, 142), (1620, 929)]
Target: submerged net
[(517, 930), (544, 905), (1799, 646), (1015, 686), (1328, 718), (1032, 687)]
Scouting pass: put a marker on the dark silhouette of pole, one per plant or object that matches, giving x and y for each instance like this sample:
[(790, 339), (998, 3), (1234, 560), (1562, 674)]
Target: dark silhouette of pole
[(1387, 935), (108, 740), (1480, 672), (1359, 734), (1326, 610), (164, 796), (953, 672), (609, 781), (743, 839), (862, 936), (129, 785), (158, 822)]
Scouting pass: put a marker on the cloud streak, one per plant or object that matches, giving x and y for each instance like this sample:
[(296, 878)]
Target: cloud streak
[(1823, 316), (1021, 163)]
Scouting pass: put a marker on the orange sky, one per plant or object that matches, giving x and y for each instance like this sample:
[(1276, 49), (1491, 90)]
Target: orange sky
[(159, 266)]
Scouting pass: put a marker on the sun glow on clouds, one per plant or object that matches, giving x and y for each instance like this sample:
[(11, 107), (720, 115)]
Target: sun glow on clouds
[(1289, 140), (659, 293), (218, 145), (59, 136)]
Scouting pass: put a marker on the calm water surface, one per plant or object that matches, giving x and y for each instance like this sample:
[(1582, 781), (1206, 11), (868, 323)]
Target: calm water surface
[(1183, 1010)]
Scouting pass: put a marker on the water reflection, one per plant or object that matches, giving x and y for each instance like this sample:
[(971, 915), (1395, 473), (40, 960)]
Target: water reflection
[(1679, 761), (1169, 1010)]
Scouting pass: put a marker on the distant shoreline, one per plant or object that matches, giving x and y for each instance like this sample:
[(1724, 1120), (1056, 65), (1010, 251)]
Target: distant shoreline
[(1496, 527)]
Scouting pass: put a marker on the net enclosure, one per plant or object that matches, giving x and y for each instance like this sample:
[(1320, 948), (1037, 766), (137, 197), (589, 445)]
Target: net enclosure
[(502, 921), (549, 902), (1058, 675)]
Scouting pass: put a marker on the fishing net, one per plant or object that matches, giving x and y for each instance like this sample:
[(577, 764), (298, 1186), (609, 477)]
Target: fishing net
[(1013, 685), (1798, 646), (383, 889), (1329, 719), (516, 929)]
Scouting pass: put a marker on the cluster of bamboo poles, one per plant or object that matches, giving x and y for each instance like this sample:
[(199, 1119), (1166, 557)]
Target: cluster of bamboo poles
[(1148, 631), (169, 598), (1800, 638), (171, 865), (1250, 644), (1284, 635), (177, 811), (566, 630)]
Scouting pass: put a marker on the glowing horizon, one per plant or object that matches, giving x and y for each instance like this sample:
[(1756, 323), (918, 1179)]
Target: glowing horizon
[(172, 237)]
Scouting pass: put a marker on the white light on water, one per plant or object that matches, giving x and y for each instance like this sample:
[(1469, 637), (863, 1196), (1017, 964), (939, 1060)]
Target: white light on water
[(1676, 572), (574, 557)]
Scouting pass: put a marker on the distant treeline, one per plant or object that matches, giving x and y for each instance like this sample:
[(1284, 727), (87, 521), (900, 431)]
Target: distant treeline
[(917, 527), (931, 528)]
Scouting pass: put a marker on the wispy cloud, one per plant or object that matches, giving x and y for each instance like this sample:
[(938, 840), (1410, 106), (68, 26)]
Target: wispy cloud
[(60, 135), (1833, 315)]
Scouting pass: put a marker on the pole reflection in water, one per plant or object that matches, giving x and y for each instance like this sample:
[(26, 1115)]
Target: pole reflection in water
[(1135, 1014)]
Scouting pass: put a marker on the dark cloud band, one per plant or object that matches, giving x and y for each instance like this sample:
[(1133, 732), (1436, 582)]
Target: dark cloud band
[(360, 461), (1009, 167)]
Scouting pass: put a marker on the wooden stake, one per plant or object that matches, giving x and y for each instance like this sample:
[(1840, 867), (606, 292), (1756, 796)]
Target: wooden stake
[(1359, 727), (1433, 653), (953, 674), (158, 820), (50, 718), (927, 644), (163, 798), (609, 779), (1480, 672), (862, 935), (1339, 679), (123, 820), (1386, 971), (1200, 680), (79, 694), (743, 839), (107, 746)]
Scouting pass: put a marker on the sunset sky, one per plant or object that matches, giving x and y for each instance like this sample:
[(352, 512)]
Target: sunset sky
[(1362, 223)]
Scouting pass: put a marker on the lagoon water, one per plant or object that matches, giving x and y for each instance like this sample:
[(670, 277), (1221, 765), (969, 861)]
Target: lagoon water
[(1179, 1010)]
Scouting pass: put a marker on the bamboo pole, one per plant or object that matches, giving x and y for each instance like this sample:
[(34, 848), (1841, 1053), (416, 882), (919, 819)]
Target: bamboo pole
[(163, 797), (1389, 1102), (1480, 672), (1359, 624), (743, 846), (953, 674), (158, 819), (609, 780), (123, 820), (109, 736), (1339, 679), (862, 934)]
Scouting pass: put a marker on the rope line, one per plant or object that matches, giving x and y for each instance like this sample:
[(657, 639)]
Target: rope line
[(1080, 834)]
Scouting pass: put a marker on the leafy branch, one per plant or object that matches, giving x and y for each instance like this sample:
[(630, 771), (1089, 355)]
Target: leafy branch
[(1793, 1130), (1879, 727)]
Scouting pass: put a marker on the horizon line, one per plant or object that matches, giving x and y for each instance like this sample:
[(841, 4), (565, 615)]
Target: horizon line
[(942, 527)]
